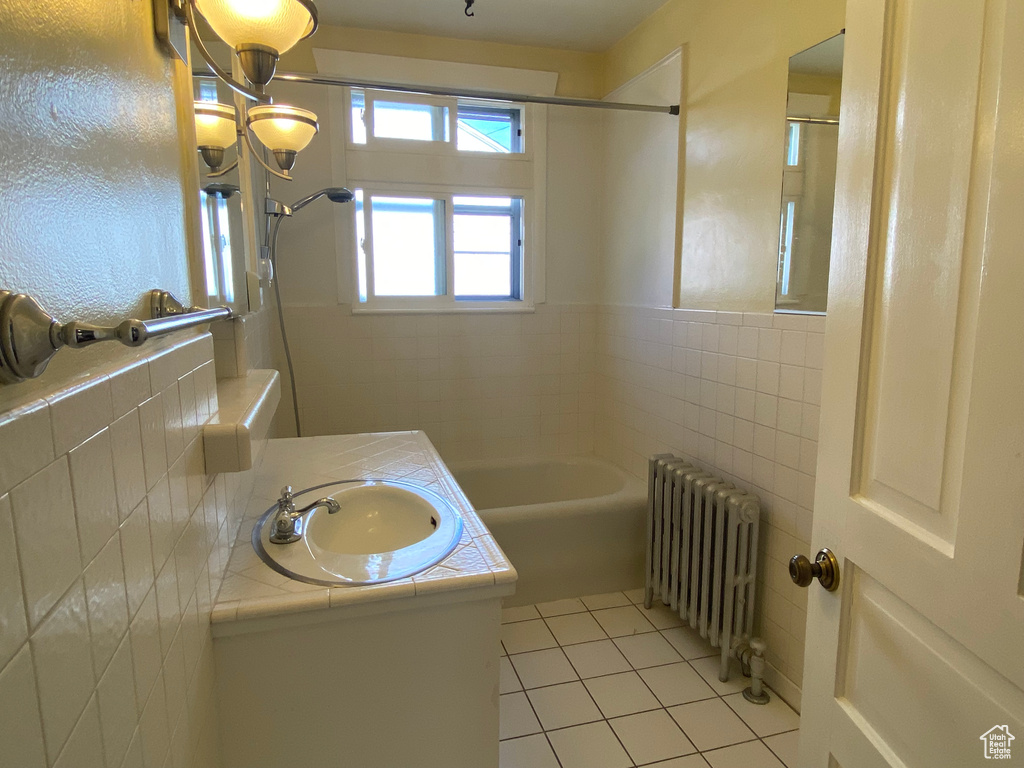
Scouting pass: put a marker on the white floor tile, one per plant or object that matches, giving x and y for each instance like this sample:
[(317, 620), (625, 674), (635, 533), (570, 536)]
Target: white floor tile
[(561, 607), (589, 746), (635, 595), (661, 615), (623, 694), (575, 628), (690, 761), (548, 667), (608, 600), (516, 717), (519, 613), (622, 621), (525, 636), (689, 643), (600, 657), (767, 719), (708, 669), (647, 650), (753, 754), (710, 724), (508, 683), (563, 705), (784, 745), (527, 752), (676, 684), (651, 736)]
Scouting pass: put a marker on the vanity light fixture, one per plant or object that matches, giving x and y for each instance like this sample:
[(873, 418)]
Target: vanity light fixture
[(284, 130), (216, 131), (258, 31)]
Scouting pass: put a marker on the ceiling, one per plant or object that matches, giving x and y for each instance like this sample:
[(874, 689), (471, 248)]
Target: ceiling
[(583, 25)]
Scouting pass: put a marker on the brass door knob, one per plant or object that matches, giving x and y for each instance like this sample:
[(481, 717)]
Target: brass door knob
[(825, 569)]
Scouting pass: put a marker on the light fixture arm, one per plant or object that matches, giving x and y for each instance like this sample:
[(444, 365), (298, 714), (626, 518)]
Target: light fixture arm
[(255, 154), (223, 171), (249, 93)]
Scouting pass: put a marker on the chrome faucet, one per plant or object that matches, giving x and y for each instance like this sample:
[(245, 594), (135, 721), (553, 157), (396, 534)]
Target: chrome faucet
[(288, 521)]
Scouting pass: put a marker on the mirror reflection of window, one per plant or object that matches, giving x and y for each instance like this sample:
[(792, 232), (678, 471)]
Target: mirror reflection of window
[(809, 177)]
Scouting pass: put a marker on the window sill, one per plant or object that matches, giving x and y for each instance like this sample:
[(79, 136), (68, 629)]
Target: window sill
[(507, 308)]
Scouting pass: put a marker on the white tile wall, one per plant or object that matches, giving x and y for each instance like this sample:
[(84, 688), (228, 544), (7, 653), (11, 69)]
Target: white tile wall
[(113, 543), (739, 395), (494, 385)]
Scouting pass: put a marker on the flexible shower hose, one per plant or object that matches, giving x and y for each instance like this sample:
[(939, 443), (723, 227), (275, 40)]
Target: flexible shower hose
[(280, 318)]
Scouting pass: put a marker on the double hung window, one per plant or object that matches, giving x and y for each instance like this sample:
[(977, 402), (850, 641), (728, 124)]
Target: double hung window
[(446, 202)]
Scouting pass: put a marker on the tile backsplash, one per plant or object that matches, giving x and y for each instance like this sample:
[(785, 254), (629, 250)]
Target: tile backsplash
[(739, 394), (113, 544), (480, 385)]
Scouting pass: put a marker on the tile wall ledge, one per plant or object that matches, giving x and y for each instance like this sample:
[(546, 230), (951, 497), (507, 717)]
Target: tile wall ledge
[(246, 409), (254, 598)]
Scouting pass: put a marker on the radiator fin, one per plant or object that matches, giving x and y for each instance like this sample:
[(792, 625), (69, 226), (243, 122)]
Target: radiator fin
[(702, 550)]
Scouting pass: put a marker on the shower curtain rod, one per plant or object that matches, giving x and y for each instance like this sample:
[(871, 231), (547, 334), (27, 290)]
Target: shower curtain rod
[(467, 93)]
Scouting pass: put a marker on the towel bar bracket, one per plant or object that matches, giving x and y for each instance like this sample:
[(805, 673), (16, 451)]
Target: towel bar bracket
[(30, 337)]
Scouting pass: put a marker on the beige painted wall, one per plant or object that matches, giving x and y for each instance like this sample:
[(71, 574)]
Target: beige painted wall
[(579, 73), (738, 51), (92, 211), (640, 160)]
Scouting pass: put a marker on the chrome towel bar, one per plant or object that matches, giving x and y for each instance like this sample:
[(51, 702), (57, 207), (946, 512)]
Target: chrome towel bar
[(30, 337)]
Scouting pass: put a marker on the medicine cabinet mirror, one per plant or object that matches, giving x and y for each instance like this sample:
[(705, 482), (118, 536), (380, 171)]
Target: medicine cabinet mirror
[(809, 177)]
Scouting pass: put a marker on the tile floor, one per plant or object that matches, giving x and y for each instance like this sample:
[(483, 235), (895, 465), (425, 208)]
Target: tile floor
[(602, 682)]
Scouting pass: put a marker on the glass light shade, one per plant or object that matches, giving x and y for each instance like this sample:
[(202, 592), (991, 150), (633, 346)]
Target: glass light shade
[(276, 24), (215, 125), (283, 128)]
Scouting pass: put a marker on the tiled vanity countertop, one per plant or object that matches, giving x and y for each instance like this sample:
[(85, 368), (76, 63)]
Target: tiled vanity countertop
[(252, 590)]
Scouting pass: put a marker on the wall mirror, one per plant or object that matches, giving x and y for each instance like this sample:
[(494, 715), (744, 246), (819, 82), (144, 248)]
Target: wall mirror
[(227, 209), (809, 177)]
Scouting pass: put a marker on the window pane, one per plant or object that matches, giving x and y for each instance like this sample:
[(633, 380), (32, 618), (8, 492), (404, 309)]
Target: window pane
[(418, 122), (487, 252), (360, 244), (793, 145), (358, 117), (489, 129), (408, 246)]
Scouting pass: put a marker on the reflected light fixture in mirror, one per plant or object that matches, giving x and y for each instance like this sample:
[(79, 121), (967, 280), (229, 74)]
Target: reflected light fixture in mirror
[(259, 31), (216, 131), (809, 177), (284, 130)]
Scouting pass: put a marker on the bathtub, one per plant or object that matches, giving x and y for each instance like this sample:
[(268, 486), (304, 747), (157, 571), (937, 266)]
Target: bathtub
[(570, 526)]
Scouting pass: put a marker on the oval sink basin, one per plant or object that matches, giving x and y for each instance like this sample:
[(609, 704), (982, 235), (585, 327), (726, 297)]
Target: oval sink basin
[(384, 530)]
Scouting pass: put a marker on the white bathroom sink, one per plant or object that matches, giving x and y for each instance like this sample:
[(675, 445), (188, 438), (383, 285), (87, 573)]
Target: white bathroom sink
[(384, 530)]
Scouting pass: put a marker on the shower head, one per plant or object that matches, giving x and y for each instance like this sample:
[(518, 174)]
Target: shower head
[(334, 194)]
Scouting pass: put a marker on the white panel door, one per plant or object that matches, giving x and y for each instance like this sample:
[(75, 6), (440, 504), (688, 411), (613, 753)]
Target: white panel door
[(919, 655)]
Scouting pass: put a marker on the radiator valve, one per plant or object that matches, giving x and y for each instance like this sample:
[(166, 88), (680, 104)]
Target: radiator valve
[(756, 693)]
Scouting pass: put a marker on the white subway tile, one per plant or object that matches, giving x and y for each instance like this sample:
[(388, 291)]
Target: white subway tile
[(154, 439), (13, 624), (791, 382), (78, 412), (129, 386), (85, 745), (26, 443), (129, 470), (769, 344), (107, 603), (768, 377), (47, 537), (145, 637), (137, 556), (794, 344), (64, 670), (21, 731), (154, 728), (92, 480)]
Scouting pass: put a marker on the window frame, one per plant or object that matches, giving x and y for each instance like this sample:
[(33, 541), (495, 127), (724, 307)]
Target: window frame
[(446, 302), (443, 172)]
